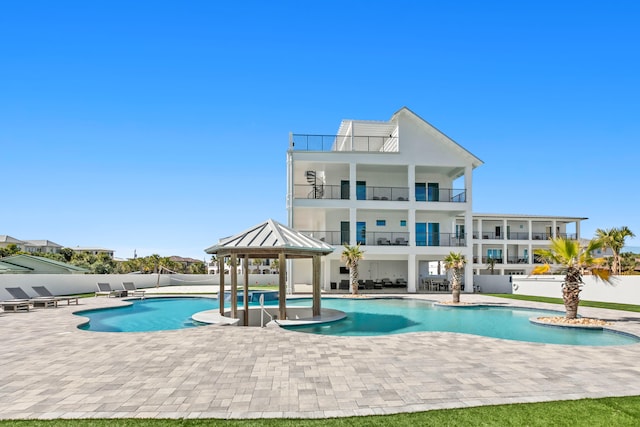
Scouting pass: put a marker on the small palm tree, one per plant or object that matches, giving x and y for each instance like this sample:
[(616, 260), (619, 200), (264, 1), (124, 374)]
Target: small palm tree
[(491, 264), (455, 263), (572, 259), (351, 255), (614, 239)]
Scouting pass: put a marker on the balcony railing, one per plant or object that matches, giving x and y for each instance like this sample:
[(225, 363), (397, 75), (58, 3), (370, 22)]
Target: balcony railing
[(330, 237), (305, 142), (385, 238), (442, 239), (451, 195), (387, 193), (319, 191)]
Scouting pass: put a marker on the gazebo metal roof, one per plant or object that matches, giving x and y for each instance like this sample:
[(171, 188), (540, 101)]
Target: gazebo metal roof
[(271, 238)]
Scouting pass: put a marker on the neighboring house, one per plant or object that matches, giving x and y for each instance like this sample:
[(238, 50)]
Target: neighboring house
[(511, 240), (8, 240), (38, 265), (41, 246), (186, 262), (403, 191), (93, 250)]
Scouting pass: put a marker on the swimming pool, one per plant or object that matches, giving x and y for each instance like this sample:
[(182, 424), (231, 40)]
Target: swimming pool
[(365, 317), (396, 316)]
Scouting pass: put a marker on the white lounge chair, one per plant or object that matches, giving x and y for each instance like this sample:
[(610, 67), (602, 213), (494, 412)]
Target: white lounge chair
[(20, 295), (104, 289), (132, 291), (43, 292)]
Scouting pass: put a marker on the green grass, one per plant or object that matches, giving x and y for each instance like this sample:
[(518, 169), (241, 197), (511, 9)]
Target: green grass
[(596, 304), (611, 411)]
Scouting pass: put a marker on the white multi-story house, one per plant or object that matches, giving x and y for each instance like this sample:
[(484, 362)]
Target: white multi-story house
[(397, 188), (403, 191)]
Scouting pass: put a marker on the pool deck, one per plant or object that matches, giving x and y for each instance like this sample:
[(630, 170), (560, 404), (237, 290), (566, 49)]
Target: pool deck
[(51, 369)]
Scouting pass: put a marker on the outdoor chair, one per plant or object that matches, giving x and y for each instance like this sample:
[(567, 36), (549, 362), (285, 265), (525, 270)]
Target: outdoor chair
[(15, 305), (132, 291), (387, 283), (43, 292), (20, 295), (368, 284), (104, 289), (344, 285)]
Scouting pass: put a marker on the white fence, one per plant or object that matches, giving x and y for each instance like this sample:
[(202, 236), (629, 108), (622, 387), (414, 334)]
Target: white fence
[(68, 284), (492, 284), (624, 290)]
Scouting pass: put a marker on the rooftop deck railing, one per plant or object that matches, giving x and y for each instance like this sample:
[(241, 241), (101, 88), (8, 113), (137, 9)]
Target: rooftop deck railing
[(366, 143)]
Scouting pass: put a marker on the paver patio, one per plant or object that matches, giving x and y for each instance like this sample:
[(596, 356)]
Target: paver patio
[(51, 369)]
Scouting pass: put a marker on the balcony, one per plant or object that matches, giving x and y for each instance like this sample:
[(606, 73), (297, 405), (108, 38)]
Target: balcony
[(442, 239), (385, 193), (319, 191), (360, 143)]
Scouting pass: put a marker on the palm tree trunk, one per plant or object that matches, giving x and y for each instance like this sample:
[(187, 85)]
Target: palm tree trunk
[(571, 293), (455, 294), (353, 277)]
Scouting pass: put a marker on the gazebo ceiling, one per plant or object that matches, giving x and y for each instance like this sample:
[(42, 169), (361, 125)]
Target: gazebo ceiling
[(268, 240)]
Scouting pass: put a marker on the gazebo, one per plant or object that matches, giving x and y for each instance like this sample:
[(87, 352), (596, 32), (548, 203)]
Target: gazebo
[(271, 240)]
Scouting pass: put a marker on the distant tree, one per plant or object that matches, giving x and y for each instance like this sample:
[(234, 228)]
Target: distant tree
[(455, 263), (10, 249), (67, 253), (614, 239)]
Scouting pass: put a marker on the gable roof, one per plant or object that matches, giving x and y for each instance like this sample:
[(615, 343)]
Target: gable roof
[(11, 268), (8, 239), (47, 243), (442, 136), (271, 238), (41, 264)]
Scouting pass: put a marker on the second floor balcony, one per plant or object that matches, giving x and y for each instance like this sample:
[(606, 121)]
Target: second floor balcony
[(388, 238), (381, 193)]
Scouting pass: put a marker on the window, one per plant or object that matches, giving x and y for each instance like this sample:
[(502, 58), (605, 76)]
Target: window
[(434, 191), (421, 192), (403, 223), (381, 222)]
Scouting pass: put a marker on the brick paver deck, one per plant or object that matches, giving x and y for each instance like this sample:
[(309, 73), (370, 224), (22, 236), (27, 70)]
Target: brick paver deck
[(51, 369)]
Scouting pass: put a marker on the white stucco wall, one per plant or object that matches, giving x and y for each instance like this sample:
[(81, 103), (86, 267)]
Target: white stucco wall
[(67, 284), (625, 289)]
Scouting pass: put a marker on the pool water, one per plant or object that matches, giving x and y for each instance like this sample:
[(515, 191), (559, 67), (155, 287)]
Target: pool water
[(398, 316), (365, 317), (149, 314)]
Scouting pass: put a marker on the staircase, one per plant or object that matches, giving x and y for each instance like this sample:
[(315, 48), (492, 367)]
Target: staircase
[(317, 189)]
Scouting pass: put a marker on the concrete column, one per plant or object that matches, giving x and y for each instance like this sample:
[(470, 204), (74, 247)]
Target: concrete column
[(468, 228), (412, 276)]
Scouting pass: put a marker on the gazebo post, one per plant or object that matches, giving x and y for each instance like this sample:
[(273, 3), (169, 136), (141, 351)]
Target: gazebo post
[(316, 285), (282, 287), (234, 286), (221, 294), (245, 298)]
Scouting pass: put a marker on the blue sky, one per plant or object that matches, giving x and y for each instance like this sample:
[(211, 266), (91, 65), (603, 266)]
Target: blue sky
[(162, 126)]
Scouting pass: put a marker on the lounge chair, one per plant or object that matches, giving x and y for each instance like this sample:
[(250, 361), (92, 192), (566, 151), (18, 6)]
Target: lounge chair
[(401, 283), (387, 283), (15, 305), (20, 295), (43, 292), (132, 291), (104, 289)]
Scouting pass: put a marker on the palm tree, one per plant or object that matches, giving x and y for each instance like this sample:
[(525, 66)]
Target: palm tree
[(573, 259), (491, 264), (455, 262), (351, 255), (613, 238)]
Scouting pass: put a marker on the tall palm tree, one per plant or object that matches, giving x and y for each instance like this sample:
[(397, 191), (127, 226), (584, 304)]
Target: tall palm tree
[(351, 255), (455, 262), (572, 259), (614, 239)]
